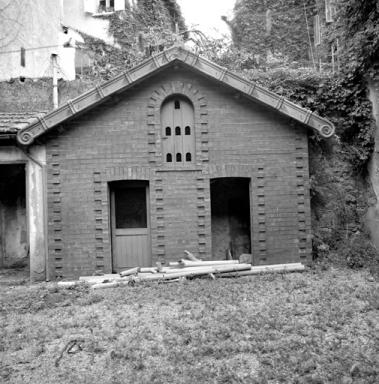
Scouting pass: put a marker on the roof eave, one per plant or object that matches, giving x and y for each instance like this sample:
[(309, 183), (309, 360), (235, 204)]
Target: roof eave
[(129, 78)]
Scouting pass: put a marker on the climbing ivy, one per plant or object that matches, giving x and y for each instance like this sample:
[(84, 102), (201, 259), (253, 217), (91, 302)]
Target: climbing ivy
[(288, 23), (357, 28), (138, 32), (150, 25)]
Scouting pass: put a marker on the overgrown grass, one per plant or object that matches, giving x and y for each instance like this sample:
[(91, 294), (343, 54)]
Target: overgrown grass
[(315, 327)]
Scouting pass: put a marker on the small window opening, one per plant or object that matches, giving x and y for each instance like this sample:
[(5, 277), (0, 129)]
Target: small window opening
[(177, 131), (188, 156), (177, 104), (187, 130), (168, 131), (169, 158), (178, 157), (22, 57)]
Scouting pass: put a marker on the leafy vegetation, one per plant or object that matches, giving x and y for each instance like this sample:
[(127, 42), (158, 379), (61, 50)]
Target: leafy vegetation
[(357, 28), (138, 32), (315, 327), (283, 27)]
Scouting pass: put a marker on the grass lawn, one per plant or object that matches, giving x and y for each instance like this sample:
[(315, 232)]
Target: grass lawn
[(314, 327)]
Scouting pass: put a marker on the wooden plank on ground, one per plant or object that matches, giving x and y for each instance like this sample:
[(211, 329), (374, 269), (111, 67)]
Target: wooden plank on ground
[(131, 271), (292, 267)]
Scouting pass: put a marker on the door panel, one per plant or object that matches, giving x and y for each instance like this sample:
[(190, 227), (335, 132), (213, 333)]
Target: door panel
[(131, 250), (130, 226)]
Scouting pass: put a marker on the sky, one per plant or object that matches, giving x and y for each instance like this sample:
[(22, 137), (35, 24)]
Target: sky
[(206, 15)]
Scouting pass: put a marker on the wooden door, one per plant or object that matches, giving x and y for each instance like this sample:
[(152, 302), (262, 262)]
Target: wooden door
[(130, 225)]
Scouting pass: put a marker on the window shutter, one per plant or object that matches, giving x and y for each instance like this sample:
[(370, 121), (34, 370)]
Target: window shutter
[(178, 136), (90, 6), (119, 5)]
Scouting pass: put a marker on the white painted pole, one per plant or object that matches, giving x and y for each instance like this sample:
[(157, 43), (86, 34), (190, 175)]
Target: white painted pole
[(55, 79)]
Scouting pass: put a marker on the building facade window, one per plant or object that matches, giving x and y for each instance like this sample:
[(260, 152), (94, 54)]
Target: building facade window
[(103, 6), (178, 144)]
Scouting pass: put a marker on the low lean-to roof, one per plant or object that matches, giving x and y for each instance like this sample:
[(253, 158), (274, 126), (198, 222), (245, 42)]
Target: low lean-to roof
[(162, 60), (12, 122)]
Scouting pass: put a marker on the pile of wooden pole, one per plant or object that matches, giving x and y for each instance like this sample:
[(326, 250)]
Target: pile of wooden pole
[(189, 267)]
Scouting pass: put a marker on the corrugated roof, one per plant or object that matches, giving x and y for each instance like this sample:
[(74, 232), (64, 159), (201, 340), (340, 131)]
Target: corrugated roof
[(12, 122)]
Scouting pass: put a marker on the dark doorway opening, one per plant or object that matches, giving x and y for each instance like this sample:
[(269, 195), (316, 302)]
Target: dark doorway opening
[(230, 217), (130, 214), (13, 225)]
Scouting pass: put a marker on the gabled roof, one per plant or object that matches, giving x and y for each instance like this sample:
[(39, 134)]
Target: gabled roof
[(147, 68)]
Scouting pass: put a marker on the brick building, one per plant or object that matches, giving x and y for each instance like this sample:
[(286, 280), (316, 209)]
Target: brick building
[(177, 153)]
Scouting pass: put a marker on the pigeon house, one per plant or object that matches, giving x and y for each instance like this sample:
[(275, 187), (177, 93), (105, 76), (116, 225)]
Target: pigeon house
[(177, 153)]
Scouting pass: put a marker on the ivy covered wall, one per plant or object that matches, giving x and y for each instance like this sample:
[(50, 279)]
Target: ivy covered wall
[(282, 27)]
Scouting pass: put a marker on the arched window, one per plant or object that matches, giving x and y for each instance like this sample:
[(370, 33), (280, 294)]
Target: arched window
[(178, 140)]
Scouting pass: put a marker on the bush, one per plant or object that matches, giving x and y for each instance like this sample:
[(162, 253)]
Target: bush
[(359, 252)]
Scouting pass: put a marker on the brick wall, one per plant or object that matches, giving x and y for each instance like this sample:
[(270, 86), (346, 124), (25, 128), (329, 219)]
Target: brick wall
[(121, 140)]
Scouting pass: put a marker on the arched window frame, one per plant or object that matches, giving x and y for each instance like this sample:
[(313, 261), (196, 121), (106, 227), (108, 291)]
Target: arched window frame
[(177, 114)]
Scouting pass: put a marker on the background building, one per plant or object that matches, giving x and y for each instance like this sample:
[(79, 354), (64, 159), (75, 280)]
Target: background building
[(34, 31)]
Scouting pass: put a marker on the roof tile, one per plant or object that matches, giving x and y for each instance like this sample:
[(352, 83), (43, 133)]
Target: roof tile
[(12, 122)]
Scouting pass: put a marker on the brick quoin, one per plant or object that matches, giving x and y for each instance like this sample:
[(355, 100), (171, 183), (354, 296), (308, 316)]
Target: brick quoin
[(120, 139)]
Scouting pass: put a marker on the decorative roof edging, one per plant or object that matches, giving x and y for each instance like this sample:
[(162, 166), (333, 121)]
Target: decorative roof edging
[(129, 78)]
